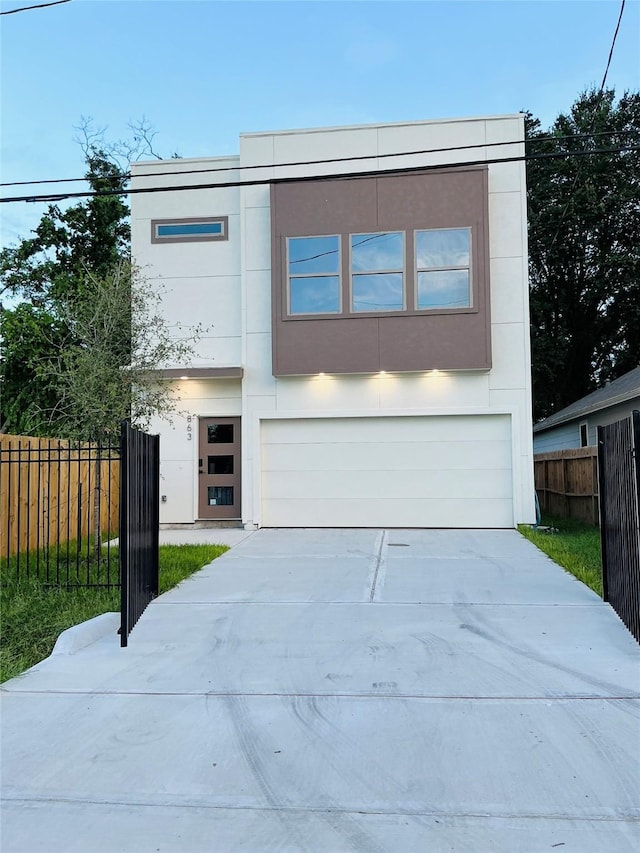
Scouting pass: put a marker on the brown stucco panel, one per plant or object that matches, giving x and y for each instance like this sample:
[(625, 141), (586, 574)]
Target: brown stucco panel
[(440, 342), (348, 346), (408, 341), (430, 200), (324, 207)]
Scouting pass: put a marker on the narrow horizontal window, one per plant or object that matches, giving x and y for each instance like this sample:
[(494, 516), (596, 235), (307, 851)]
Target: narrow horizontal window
[(189, 230), (443, 268), (313, 265), (377, 272)]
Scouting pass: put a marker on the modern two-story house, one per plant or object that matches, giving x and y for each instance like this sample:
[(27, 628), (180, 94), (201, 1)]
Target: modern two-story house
[(366, 354)]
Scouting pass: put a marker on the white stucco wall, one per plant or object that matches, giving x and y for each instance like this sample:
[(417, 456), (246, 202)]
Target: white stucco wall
[(200, 282)]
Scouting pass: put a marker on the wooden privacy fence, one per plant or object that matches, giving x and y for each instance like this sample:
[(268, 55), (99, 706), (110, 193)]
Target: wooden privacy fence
[(53, 492), (567, 483)]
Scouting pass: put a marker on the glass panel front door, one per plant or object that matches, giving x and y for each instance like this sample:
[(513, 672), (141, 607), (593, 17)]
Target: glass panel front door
[(219, 468)]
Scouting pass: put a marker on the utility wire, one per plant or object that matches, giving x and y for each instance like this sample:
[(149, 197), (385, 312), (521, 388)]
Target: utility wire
[(39, 6), (309, 178), (613, 44), (240, 168), (591, 126)]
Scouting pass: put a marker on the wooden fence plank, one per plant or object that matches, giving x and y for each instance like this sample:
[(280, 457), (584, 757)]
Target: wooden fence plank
[(47, 492), (566, 482)]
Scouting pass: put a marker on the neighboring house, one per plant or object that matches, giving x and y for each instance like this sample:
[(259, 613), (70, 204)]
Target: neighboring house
[(577, 424), (367, 361)]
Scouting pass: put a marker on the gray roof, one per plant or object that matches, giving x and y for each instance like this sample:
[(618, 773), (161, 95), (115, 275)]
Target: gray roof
[(619, 391)]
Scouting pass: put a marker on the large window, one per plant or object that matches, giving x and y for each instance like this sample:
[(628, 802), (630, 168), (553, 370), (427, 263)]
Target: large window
[(438, 277), (443, 278), (314, 275), (377, 272)]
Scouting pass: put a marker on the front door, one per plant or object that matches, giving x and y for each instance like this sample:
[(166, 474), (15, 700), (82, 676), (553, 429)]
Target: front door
[(219, 468)]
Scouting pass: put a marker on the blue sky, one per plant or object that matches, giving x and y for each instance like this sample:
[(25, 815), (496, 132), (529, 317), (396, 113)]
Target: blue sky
[(202, 72)]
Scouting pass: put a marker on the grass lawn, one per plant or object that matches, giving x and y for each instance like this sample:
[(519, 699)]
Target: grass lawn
[(34, 615), (575, 546)]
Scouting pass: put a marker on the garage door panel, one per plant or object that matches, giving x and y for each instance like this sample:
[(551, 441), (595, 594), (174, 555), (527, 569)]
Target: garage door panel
[(438, 471), (372, 513), (367, 484), (392, 456), (383, 429)]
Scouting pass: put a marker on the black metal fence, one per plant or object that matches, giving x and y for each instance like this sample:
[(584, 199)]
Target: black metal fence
[(619, 464), (139, 524), (59, 511)]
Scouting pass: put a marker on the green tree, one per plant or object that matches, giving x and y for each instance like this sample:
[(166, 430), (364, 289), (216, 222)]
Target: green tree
[(82, 351), (584, 251), (45, 270), (32, 339), (92, 235), (112, 369)]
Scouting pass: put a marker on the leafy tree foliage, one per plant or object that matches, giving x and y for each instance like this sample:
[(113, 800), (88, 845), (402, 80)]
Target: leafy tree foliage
[(92, 235), (31, 338), (81, 351), (111, 371), (46, 270), (584, 250)]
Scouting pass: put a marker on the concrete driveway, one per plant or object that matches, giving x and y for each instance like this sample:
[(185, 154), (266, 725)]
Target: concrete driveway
[(337, 690)]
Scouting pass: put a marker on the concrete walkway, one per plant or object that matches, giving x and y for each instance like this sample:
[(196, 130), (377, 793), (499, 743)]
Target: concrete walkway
[(337, 690)]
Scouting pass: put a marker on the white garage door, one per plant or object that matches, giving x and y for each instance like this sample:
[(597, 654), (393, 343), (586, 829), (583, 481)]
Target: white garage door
[(448, 471)]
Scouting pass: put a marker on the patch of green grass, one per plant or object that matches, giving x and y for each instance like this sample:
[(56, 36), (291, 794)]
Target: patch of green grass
[(34, 613), (573, 545), (177, 562)]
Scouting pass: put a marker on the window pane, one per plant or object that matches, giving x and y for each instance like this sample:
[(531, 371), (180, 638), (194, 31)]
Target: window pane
[(378, 292), (444, 289), (448, 247), (220, 434), (189, 229), (220, 465), (313, 255), (314, 295), (220, 495), (371, 252)]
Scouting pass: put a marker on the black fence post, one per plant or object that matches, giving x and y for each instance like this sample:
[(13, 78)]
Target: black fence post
[(123, 533), (602, 502), (139, 524)]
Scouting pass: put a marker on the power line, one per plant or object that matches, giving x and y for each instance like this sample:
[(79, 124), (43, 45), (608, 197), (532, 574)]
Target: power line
[(309, 178), (591, 125), (39, 6), (613, 44), (240, 168)]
